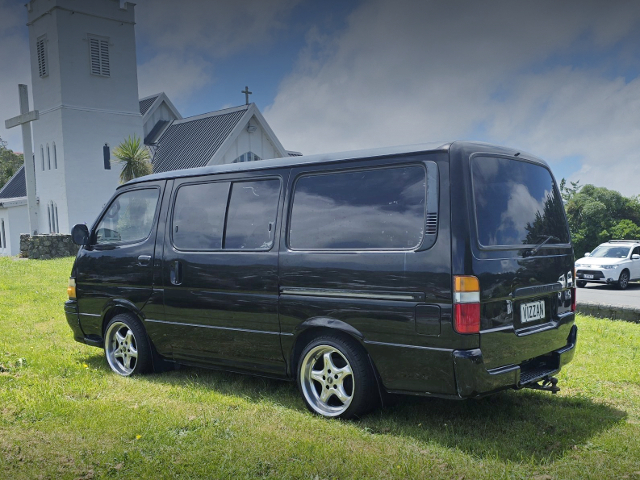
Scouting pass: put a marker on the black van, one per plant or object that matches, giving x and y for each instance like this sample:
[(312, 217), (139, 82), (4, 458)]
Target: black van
[(442, 270)]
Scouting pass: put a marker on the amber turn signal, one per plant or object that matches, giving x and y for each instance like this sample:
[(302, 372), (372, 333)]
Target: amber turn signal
[(71, 289)]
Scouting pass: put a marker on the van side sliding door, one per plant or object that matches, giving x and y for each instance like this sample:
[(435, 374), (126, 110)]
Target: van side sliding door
[(220, 271)]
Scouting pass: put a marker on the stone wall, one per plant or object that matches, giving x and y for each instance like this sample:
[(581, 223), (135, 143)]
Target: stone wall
[(613, 312), (45, 247)]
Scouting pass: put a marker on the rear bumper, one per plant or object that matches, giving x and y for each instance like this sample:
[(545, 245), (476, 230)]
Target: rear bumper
[(473, 379), (73, 319)]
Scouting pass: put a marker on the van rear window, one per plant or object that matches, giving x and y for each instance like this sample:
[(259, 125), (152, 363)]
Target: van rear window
[(365, 210), (516, 203)]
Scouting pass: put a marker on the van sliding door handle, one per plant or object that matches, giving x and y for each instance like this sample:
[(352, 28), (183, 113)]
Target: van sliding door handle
[(175, 273), (143, 260)]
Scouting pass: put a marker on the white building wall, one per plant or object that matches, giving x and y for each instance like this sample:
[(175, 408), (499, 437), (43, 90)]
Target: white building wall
[(161, 113), (257, 142), (16, 221), (89, 185)]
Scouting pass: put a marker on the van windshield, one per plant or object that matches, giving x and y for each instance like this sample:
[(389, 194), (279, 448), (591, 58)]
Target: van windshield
[(516, 203)]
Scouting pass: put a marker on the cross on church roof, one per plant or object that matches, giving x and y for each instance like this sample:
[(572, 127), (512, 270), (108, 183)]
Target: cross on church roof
[(246, 94)]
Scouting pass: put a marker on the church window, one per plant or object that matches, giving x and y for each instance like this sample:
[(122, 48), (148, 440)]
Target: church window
[(48, 157), (42, 156), (52, 212), (41, 48), (55, 156), (247, 157), (3, 238), (99, 56), (55, 216), (106, 156)]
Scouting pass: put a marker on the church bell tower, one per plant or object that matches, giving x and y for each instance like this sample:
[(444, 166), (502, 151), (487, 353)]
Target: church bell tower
[(85, 86)]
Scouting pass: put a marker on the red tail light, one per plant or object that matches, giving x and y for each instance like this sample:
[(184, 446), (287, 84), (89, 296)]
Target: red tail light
[(467, 318), (466, 299)]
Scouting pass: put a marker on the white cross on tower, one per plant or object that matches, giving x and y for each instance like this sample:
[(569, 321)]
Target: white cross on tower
[(24, 119)]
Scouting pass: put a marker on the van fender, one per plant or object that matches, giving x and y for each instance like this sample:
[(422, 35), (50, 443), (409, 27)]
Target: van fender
[(116, 306), (328, 322), (301, 336)]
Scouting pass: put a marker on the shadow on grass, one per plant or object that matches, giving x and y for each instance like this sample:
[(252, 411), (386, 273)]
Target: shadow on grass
[(522, 426)]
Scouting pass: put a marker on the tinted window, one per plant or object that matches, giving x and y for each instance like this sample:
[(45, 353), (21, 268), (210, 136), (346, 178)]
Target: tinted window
[(198, 216), (252, 215), (516, 203), (129, 218), (370, 209)]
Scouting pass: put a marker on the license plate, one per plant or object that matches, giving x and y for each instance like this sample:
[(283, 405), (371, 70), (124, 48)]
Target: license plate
[(586, 275), (531, 311)]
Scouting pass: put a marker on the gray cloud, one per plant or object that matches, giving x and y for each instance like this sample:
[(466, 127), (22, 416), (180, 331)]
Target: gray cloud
[(409, 72), (190, 37), (219, 28)]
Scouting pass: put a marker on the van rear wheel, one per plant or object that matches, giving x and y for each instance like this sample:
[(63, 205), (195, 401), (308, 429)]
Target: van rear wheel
[(126, 346), (336, 378)]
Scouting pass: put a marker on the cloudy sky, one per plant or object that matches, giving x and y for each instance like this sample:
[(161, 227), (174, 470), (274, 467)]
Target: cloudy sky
[(557, 79)]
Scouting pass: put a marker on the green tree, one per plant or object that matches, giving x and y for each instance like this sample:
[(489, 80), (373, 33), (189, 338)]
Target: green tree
[(625, 230), (597, 214), (134, 157), (10, 162)]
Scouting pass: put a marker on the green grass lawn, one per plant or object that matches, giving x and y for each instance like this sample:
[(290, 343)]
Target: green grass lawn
[(64, 415)]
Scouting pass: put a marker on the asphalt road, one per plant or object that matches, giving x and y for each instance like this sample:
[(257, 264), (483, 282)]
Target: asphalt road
[(610, 295)]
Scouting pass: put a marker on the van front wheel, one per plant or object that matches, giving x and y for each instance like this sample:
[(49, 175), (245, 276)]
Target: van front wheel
[(335, 378), (126, 346)]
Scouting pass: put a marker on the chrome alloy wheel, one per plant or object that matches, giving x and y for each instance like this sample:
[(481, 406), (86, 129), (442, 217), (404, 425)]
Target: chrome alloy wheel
[(327, 380), (121, 349)]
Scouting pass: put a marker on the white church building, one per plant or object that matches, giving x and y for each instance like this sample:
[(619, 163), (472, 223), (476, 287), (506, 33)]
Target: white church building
[(85, 88)]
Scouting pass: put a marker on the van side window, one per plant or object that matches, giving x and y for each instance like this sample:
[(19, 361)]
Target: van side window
[(252, 215), (373, 209), (198, 216), (129, 218)]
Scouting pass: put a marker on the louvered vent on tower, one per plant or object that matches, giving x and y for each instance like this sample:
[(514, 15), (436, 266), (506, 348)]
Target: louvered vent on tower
[(432, 223), (99, 53), (41, 48)]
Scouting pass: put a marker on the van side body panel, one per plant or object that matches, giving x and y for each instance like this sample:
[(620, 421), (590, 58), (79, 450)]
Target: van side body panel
[(380, 294)]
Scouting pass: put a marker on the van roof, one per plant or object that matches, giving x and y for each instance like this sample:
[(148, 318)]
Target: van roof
[(311, 159)]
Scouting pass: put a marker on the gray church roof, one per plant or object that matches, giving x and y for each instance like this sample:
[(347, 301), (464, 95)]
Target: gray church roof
[(145, 103), (16, 186), (192, 142)]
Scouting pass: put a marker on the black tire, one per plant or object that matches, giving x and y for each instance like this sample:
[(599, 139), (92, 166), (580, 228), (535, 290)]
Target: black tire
[(126, 346), (581, 283), (359, 387), (623, 281)]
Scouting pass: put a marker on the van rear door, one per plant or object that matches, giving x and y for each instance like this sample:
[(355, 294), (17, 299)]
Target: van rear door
[(523, 258)]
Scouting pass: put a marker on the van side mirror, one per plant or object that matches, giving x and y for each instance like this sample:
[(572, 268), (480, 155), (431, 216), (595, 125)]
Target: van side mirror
[(635, 256), (587, 254), (80, 234)]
